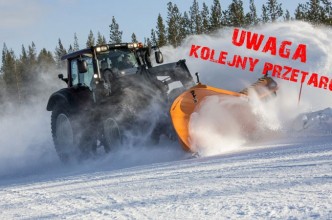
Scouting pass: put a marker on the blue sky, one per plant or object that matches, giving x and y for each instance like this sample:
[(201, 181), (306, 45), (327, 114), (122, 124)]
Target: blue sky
[(45, 21)]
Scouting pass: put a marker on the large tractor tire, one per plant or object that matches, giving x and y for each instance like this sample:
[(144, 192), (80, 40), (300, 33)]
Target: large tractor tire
[(71, 140)]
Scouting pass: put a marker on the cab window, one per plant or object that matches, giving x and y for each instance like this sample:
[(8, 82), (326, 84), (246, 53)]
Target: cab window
[(82, 79)]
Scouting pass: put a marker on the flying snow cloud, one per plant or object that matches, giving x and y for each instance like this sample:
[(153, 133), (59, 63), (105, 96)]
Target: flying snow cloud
[(214, 128), (26, 145), (319, 60)]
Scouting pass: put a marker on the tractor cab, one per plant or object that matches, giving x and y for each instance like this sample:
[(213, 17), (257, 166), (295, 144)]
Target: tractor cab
[(93, 65)]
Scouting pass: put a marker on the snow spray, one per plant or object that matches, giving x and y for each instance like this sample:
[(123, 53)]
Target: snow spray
[(206, 122)]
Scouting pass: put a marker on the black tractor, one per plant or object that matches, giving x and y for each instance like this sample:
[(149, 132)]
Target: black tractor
[(114, 96)]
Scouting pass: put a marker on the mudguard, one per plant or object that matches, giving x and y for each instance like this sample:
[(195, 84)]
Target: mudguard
[(59, 96), (68, 96)]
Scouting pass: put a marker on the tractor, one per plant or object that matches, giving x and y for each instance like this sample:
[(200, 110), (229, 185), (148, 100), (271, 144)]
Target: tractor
[(115, 95)]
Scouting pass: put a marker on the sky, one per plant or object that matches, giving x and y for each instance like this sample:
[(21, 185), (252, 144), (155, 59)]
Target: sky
[(45, 21)]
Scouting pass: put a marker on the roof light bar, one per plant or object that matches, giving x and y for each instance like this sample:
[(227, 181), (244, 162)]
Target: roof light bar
[(135, 45)]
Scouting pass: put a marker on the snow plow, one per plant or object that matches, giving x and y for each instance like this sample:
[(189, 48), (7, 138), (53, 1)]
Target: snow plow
[(191, 100)]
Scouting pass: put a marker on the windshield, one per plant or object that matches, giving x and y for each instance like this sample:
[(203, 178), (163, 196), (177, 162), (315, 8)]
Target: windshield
[(117, 60)]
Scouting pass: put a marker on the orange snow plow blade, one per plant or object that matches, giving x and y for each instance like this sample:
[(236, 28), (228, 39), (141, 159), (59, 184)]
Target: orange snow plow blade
[(185, 104)]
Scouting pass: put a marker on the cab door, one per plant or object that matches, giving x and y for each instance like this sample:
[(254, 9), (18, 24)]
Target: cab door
[(81, 84)]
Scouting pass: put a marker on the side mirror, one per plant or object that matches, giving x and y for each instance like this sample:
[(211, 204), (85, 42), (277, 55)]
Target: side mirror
[(60, 76), (159, 57), (82, 66)]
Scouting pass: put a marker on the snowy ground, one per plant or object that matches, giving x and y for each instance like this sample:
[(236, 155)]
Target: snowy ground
[(290, 179)]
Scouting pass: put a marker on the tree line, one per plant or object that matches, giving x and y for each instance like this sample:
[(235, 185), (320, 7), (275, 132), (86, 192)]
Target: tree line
[(22, 75)]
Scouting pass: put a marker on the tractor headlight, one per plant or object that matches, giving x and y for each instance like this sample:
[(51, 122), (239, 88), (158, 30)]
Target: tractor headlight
[(102, 48), (135, 45)]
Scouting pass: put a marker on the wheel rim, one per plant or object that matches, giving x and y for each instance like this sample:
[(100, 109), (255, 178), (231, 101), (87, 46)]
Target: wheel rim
[(111, 133), (64, 134)]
